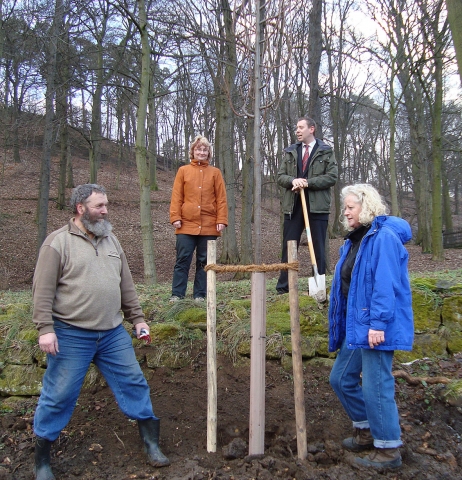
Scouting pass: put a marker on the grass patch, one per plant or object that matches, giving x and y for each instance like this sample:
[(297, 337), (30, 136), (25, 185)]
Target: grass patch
[(453, 390), (16, 328)]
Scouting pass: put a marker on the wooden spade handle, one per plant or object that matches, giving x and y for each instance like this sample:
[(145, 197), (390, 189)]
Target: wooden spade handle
[(308, 231)]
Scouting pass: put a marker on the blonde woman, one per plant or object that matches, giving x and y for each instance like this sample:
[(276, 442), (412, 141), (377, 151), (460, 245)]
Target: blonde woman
[(370, 316), (198, 212)]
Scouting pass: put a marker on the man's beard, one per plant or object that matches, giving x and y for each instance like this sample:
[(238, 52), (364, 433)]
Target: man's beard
[(98, 227)]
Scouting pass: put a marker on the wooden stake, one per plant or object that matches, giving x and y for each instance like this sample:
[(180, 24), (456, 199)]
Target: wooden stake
[(299, 396), (257, 364), (211, 349)]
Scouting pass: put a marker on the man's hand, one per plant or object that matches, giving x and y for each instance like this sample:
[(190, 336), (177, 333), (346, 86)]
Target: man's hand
[(376, 337), (48, 343), (177, 224), (138, 328), (299, 183), (220, 227)]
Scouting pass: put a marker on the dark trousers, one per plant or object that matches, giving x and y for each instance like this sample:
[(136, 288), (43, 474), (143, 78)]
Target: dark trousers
[(293, 228), (185, 246)]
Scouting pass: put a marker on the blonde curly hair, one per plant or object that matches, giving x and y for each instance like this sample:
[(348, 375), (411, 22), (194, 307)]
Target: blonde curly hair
[(200, 140), (372, 204)]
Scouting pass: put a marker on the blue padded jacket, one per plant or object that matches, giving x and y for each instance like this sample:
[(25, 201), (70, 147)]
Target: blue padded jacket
[(380, 294)]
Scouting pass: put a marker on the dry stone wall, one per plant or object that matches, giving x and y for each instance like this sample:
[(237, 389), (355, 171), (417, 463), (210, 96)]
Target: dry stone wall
[(438, 332)]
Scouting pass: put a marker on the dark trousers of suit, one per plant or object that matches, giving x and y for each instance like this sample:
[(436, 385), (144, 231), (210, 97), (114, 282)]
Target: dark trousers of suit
[(293, 228)]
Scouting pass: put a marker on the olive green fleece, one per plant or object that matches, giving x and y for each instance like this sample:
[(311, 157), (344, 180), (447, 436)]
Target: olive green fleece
[(82, 284)]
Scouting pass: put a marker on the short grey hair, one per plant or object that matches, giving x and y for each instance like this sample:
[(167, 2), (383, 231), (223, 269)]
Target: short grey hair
[(372, 204), (82, 192)]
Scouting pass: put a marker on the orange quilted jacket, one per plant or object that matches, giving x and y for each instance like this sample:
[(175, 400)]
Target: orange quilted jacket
[(199, 199)]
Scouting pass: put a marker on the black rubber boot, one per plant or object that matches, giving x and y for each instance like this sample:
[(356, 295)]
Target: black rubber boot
[(42, 459), (149, 432)]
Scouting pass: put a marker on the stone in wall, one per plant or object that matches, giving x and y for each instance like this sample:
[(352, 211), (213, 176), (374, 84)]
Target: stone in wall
[(451, 312), (425, 345), (427, 312), (21, 380)]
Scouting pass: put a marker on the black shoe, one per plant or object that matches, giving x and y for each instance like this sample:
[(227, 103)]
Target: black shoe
[(281, 291)]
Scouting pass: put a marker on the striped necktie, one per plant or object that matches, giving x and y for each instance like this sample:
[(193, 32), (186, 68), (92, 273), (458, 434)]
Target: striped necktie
[(306, 156)]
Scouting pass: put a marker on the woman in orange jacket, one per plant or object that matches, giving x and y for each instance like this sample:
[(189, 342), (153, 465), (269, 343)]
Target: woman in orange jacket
[(199, 212)]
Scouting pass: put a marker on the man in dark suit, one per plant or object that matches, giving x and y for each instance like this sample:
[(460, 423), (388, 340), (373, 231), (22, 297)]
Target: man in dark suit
[(308, 164)]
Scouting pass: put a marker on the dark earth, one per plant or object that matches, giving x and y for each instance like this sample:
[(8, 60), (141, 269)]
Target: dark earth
[(100, 443)]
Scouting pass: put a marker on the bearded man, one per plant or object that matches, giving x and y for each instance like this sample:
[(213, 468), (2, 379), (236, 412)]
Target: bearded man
[(81, 285)]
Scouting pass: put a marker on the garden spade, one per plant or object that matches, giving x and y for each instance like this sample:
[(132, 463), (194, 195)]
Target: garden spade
[(317, 283)]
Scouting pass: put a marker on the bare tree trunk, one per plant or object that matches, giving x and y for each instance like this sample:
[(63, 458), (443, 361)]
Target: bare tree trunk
[(456, 199), (16, 141), (247, 195), (314, 59), (70, 172), (454, 8), (2, 29), (447, 213), (393, 180), (64, 142), (437, 220), (142, 162), (120, 137), (62, 107), (225, 157), (95, 130), (259, 41), (152, 144), (225, 133), (44, 186)]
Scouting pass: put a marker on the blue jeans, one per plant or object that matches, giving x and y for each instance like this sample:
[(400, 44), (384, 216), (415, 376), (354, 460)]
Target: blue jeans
[(372, 404), (112, 352), (185, 246)]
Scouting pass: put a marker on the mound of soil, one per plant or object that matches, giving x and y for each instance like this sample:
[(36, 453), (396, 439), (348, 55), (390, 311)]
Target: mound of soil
[(100, 443)]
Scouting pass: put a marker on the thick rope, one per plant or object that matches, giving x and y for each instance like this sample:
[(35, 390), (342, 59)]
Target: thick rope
[(252, 268)]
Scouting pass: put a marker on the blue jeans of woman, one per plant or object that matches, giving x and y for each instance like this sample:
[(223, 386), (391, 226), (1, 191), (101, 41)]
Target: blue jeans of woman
[(185, 246), (112, 352), (370, 403)]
